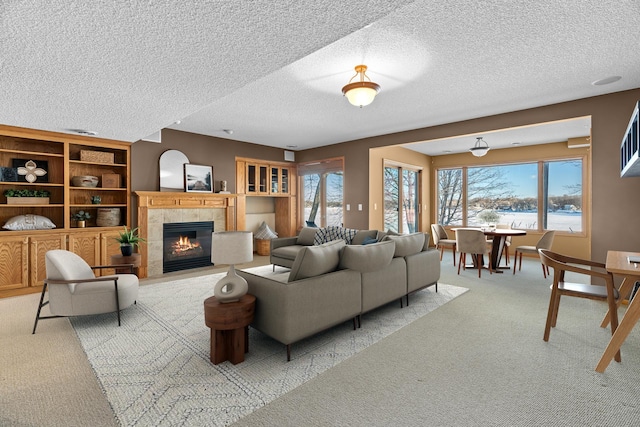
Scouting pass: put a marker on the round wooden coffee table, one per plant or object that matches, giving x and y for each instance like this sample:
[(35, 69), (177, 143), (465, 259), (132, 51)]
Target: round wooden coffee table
[(229, 323)]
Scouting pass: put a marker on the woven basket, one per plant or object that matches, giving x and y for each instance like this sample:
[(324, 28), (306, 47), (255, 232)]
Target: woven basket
[(263, 246), (108, 217), (96, 156)]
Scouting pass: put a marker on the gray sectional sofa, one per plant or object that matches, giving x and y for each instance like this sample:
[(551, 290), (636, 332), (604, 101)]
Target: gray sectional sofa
[(334, 282)]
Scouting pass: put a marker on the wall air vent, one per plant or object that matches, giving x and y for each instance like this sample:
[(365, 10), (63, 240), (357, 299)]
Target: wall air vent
[(630, 147)]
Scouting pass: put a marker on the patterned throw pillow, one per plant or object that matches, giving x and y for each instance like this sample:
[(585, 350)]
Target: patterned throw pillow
[(332, 232), (264, 232)]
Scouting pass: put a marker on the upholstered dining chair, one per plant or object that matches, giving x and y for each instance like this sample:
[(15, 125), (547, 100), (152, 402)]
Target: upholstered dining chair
[(474, 242), (507, 242), (561, 264), (74, 290), (442, 240), (545, 242)]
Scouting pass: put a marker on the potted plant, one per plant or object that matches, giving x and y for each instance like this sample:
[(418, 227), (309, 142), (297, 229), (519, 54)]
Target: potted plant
[(128, 238), (27, 197), (81, 218)]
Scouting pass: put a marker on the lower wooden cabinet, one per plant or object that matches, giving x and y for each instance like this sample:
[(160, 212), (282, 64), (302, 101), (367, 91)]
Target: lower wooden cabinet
[(38, 246), (22, 258), (14, 262)]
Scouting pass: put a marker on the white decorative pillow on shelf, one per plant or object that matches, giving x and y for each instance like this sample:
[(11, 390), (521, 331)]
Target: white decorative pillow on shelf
[(29, 222), (264, 232)]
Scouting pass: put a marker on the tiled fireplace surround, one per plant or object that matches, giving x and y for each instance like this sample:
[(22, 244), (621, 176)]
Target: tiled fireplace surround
[(157, 208)]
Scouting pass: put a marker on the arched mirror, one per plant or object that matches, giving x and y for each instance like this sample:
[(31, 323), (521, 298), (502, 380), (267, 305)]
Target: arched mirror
[(172, 170)]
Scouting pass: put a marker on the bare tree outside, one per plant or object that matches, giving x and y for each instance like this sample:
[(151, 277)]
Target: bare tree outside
[(510, 194)]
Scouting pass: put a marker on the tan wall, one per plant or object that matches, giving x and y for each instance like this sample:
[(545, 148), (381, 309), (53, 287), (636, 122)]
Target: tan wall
[(578, 244), (615, 201), (377, 157)]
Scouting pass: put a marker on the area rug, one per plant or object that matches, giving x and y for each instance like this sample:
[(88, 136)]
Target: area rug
[(155, 368)]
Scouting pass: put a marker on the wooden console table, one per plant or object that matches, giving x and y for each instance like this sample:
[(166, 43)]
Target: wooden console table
[(229, 323)]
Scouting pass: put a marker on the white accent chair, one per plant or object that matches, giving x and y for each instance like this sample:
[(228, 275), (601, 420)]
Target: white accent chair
[(74, 290)]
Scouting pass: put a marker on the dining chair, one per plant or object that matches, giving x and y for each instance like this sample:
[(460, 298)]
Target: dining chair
[(442, 240), (561, 264), (74, 290), (507, 242), (545, 242), (474, 242)]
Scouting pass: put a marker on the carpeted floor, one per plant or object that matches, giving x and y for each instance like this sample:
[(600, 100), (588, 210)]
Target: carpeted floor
[(477, 360), (155, 368)]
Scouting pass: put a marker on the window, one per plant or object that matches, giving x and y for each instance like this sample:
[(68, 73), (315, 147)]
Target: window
[(544, 195), (401, 198), (322, 192)]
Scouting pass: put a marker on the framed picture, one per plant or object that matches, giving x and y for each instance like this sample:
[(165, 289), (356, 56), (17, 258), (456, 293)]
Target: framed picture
[(31, 170), (198, 178), (8, 174)]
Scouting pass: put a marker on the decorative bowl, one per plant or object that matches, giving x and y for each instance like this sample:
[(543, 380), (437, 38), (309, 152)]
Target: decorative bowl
[(84, 181)]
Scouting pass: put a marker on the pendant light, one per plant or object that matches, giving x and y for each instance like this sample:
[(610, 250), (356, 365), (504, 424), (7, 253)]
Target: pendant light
[(480, 148), (363, 91)]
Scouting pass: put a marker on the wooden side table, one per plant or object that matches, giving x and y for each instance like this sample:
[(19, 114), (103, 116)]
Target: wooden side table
[(229, 323), (134, 259)]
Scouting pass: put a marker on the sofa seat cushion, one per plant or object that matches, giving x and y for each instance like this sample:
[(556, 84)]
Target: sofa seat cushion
[(367, 258), (407, 244), (287, 252), (314, 261)]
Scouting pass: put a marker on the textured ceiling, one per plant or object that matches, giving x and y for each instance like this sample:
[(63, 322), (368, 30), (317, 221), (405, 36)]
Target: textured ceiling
[(272, 70)]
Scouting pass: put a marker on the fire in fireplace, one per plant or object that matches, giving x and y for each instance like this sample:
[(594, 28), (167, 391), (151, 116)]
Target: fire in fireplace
[(186, 245)]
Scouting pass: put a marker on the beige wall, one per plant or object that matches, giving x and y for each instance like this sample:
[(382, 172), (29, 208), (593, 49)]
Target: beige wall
[(615, 201), (377, 157), (578, 244)]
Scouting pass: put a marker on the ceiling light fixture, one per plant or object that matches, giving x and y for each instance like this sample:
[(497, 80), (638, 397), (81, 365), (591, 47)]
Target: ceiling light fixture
[(479, 149), (362, 92)]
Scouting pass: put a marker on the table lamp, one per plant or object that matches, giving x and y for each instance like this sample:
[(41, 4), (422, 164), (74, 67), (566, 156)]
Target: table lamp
[(231, 247)]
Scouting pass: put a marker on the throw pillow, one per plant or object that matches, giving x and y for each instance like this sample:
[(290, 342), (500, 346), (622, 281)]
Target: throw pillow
[(363, 234), (306, 236), (369, 240), (316, 260), (264, 232), (29, 222), (334, 232)]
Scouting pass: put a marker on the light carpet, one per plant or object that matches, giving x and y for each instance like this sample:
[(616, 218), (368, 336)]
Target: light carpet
[(155, 368)]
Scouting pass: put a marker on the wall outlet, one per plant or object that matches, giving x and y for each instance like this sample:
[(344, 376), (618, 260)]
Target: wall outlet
[(348, 207), (359, 206)]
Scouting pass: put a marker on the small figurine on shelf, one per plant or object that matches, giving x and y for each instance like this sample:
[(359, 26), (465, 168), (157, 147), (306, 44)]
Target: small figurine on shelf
[(81, 218), (96, 200), (128, 238)]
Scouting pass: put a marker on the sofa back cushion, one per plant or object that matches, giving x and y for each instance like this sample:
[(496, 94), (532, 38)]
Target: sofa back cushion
[(407, 244), (306, 236), (366, 258), (316, 260), (362, 235), (425, 246)]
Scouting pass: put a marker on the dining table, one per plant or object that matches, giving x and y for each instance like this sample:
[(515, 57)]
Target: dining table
[(499, 239), (627, 265)]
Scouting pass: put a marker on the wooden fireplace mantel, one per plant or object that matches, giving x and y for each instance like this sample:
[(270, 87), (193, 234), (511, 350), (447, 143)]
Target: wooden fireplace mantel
[(233, 204)]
